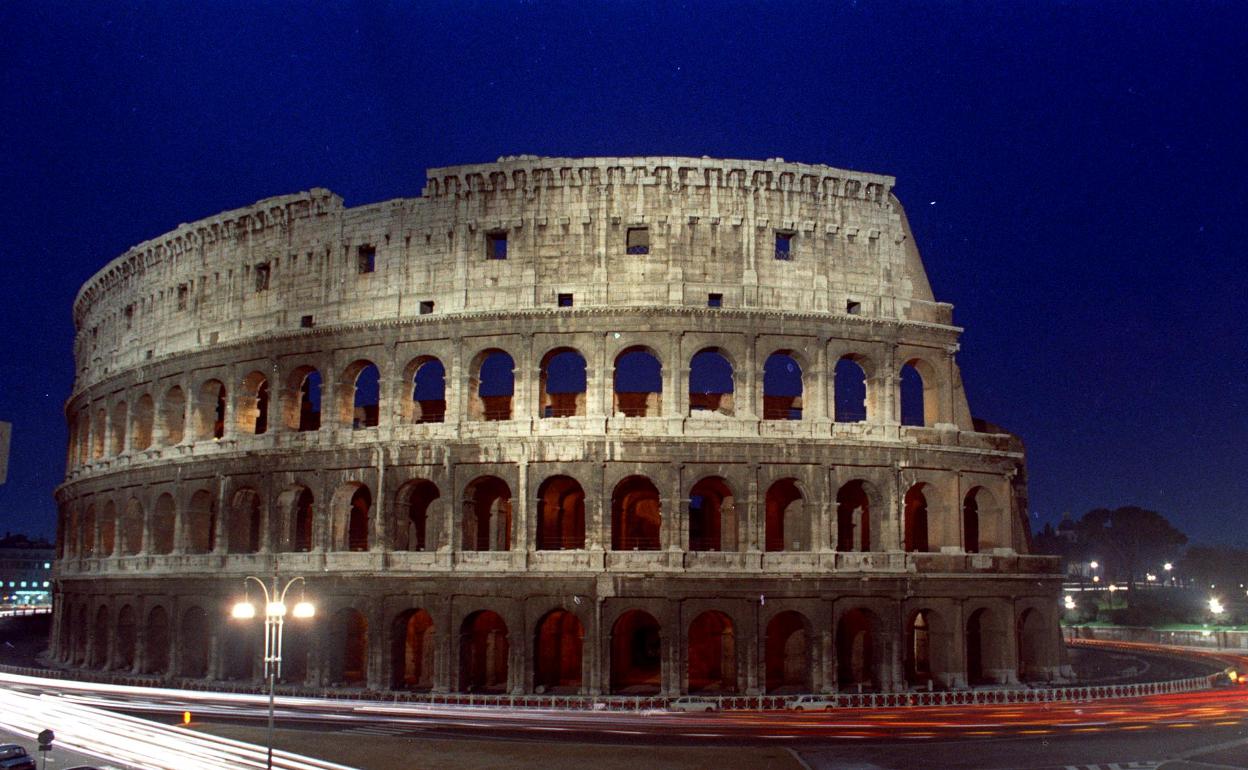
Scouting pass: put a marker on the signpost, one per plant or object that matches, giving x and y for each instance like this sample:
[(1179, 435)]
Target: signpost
[(45, 739)]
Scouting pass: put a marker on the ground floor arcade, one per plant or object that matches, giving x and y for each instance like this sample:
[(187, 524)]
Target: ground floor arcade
[(627, 636)]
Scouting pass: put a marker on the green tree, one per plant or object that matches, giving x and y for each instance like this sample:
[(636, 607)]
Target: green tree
[(1128, 541)]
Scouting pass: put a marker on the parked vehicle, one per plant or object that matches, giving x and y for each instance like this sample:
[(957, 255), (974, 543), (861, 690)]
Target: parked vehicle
[(810, 703), (14, 757), (692, 703)]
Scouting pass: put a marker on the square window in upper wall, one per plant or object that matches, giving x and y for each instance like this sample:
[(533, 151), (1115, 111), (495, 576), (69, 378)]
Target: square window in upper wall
[(853, 308), (638, 240), (366, 259), (496, 245), (565, 300), (426, 307), (262, 276), (305, 322), (784, 246), (714, 300)]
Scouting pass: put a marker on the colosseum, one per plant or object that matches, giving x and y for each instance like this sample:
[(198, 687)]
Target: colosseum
[(643, 426)]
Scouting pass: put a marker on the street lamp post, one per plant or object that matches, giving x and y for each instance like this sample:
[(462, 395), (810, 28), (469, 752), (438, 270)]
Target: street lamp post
[(274, 617)]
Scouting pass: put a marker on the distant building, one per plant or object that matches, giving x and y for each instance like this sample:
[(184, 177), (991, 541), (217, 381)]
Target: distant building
[(25, 571)]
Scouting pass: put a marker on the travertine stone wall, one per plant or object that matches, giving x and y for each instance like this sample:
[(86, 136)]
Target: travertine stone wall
[(173, 493)]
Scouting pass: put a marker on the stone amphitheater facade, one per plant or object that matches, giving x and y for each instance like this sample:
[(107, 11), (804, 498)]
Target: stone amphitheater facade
[(558, 425)]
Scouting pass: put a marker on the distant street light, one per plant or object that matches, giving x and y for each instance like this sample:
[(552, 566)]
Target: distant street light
[(1095, 565), (1215, 606), (274, 615)]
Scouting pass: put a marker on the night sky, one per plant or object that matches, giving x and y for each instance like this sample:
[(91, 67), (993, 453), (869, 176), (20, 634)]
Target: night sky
[(1076, 175)]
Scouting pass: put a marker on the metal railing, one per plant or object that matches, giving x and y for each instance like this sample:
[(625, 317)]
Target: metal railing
[(891, 700)]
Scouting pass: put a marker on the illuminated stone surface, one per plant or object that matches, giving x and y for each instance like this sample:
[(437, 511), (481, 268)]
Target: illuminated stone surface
[(638, 527)]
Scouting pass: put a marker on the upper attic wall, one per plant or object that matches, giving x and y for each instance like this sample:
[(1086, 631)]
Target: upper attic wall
[(711, 226)]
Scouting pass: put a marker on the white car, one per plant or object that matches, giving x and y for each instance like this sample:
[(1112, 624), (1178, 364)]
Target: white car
[(693, 703), (810, 703)]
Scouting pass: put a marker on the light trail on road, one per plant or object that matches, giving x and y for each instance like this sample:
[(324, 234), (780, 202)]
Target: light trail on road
[(1175, 711)]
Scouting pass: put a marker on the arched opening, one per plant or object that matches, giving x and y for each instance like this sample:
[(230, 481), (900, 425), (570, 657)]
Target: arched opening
[(638, 384), (850, 386), (296, 641), (156, 646), (253, 405), (163, 517), (710, 383), (636, 515), (557, 653), (483, 653), (127, 635), (919, 648), (975, 627), (132, 528), (413, 523), (193, 644), (712, 516), (561, 522), (302, 410), (69, 528), (970, 521), (428, 390), (412, 663), (712, 663), (243, 651), (349, 662), (563, 384), (301, 521), (97, 434), (349, 522), (787, 652), (856, 655), (787, 526), (200, 524), (782, 387), (918, 397), (491, 386), (108, 530), (636, 654), (172, 417), (142, 420), (209, 412), (84, 437), (1031, 635), (99, 644), (361, 395), (487, 515), (119, 429), (88, 531), (853, 517), (80, 637), (915, 519), (244, 528)]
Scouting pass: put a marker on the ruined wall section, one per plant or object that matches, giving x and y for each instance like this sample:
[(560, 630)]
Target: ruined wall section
[(295, 261)]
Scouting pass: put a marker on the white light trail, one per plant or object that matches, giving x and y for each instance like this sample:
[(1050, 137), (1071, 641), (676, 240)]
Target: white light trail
[(138, 742)]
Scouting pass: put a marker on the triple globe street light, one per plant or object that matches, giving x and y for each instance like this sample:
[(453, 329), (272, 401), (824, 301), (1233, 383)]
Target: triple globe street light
[(274, 618)]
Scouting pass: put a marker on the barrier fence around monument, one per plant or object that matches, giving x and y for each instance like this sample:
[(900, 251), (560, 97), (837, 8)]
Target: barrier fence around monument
[(994, 696)]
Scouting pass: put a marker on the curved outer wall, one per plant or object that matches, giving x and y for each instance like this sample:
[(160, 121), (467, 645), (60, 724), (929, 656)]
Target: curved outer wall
[(513, 538)]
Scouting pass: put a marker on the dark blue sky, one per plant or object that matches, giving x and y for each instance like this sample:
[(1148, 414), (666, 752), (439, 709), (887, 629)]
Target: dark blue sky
[(1075, 173)]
